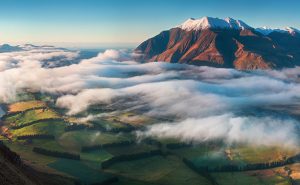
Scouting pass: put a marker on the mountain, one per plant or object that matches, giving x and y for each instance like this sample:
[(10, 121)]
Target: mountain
[(9, 48), (266, 31), (224, 43)]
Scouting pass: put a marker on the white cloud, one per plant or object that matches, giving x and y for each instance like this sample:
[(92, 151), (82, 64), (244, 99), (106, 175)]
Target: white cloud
[(205, 103), (230, 129)]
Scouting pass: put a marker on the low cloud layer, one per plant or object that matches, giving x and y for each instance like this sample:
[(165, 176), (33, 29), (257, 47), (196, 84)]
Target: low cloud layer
[(203, 103), (230, 129)]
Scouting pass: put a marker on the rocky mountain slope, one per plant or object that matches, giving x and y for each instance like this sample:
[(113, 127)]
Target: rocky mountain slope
[(224, 43), (14, 172)]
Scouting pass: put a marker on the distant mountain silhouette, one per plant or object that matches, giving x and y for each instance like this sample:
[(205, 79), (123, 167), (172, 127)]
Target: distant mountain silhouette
[(9, 48)]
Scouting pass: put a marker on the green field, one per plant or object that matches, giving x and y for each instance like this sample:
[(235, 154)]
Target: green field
[(47, 144), (78, 169), (113, 137), (26, 154), (262, 154), (30, 116), (43, 127), (250, 179), (75, 140), (131, 149), (158, 170), (96, 156)]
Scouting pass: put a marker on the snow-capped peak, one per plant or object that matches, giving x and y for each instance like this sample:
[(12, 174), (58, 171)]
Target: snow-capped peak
[(229, 23), (266, 30), (210, 22), (292, 30), (236, 24)]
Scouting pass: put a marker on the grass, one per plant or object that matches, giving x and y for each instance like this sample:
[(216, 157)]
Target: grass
[(253, 178), (44, 127), (126, 181), (206, 155), (79, 170), (31, 115), (182, 175), (27, 155), (25, 105), (123, 120), (192, 152), (158, 170), (166, 141), (110, 124), (134, 119), (48, 144), (213, 159), (261, 154), (151, 170), (131, 149), (97, 156), (74, 140)]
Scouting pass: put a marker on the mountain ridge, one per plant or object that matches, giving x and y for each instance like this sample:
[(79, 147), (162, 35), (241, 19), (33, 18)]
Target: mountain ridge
[(210, 22), (223, 43)]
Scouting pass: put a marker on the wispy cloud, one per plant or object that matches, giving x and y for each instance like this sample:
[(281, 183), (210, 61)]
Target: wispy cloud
[(205, 103)]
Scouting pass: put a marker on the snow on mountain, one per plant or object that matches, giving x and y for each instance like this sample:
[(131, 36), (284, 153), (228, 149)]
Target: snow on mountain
[(236, 24), (210, 22), (292, 30), (266, 30), (229, 23)]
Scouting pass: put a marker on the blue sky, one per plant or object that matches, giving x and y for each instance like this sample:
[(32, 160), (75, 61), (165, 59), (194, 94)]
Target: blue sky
[(100, 23)]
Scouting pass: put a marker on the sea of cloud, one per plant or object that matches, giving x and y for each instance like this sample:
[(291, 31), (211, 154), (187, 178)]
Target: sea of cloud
[(203, 103)]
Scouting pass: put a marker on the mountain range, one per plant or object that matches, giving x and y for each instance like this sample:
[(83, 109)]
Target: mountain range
[(226, 43), (9, 48)]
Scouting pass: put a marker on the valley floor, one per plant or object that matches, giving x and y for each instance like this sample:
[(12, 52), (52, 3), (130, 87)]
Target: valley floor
[(59, 149)]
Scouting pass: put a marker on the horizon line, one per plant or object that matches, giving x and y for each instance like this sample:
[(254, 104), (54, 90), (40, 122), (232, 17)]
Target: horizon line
[(78, 44)]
